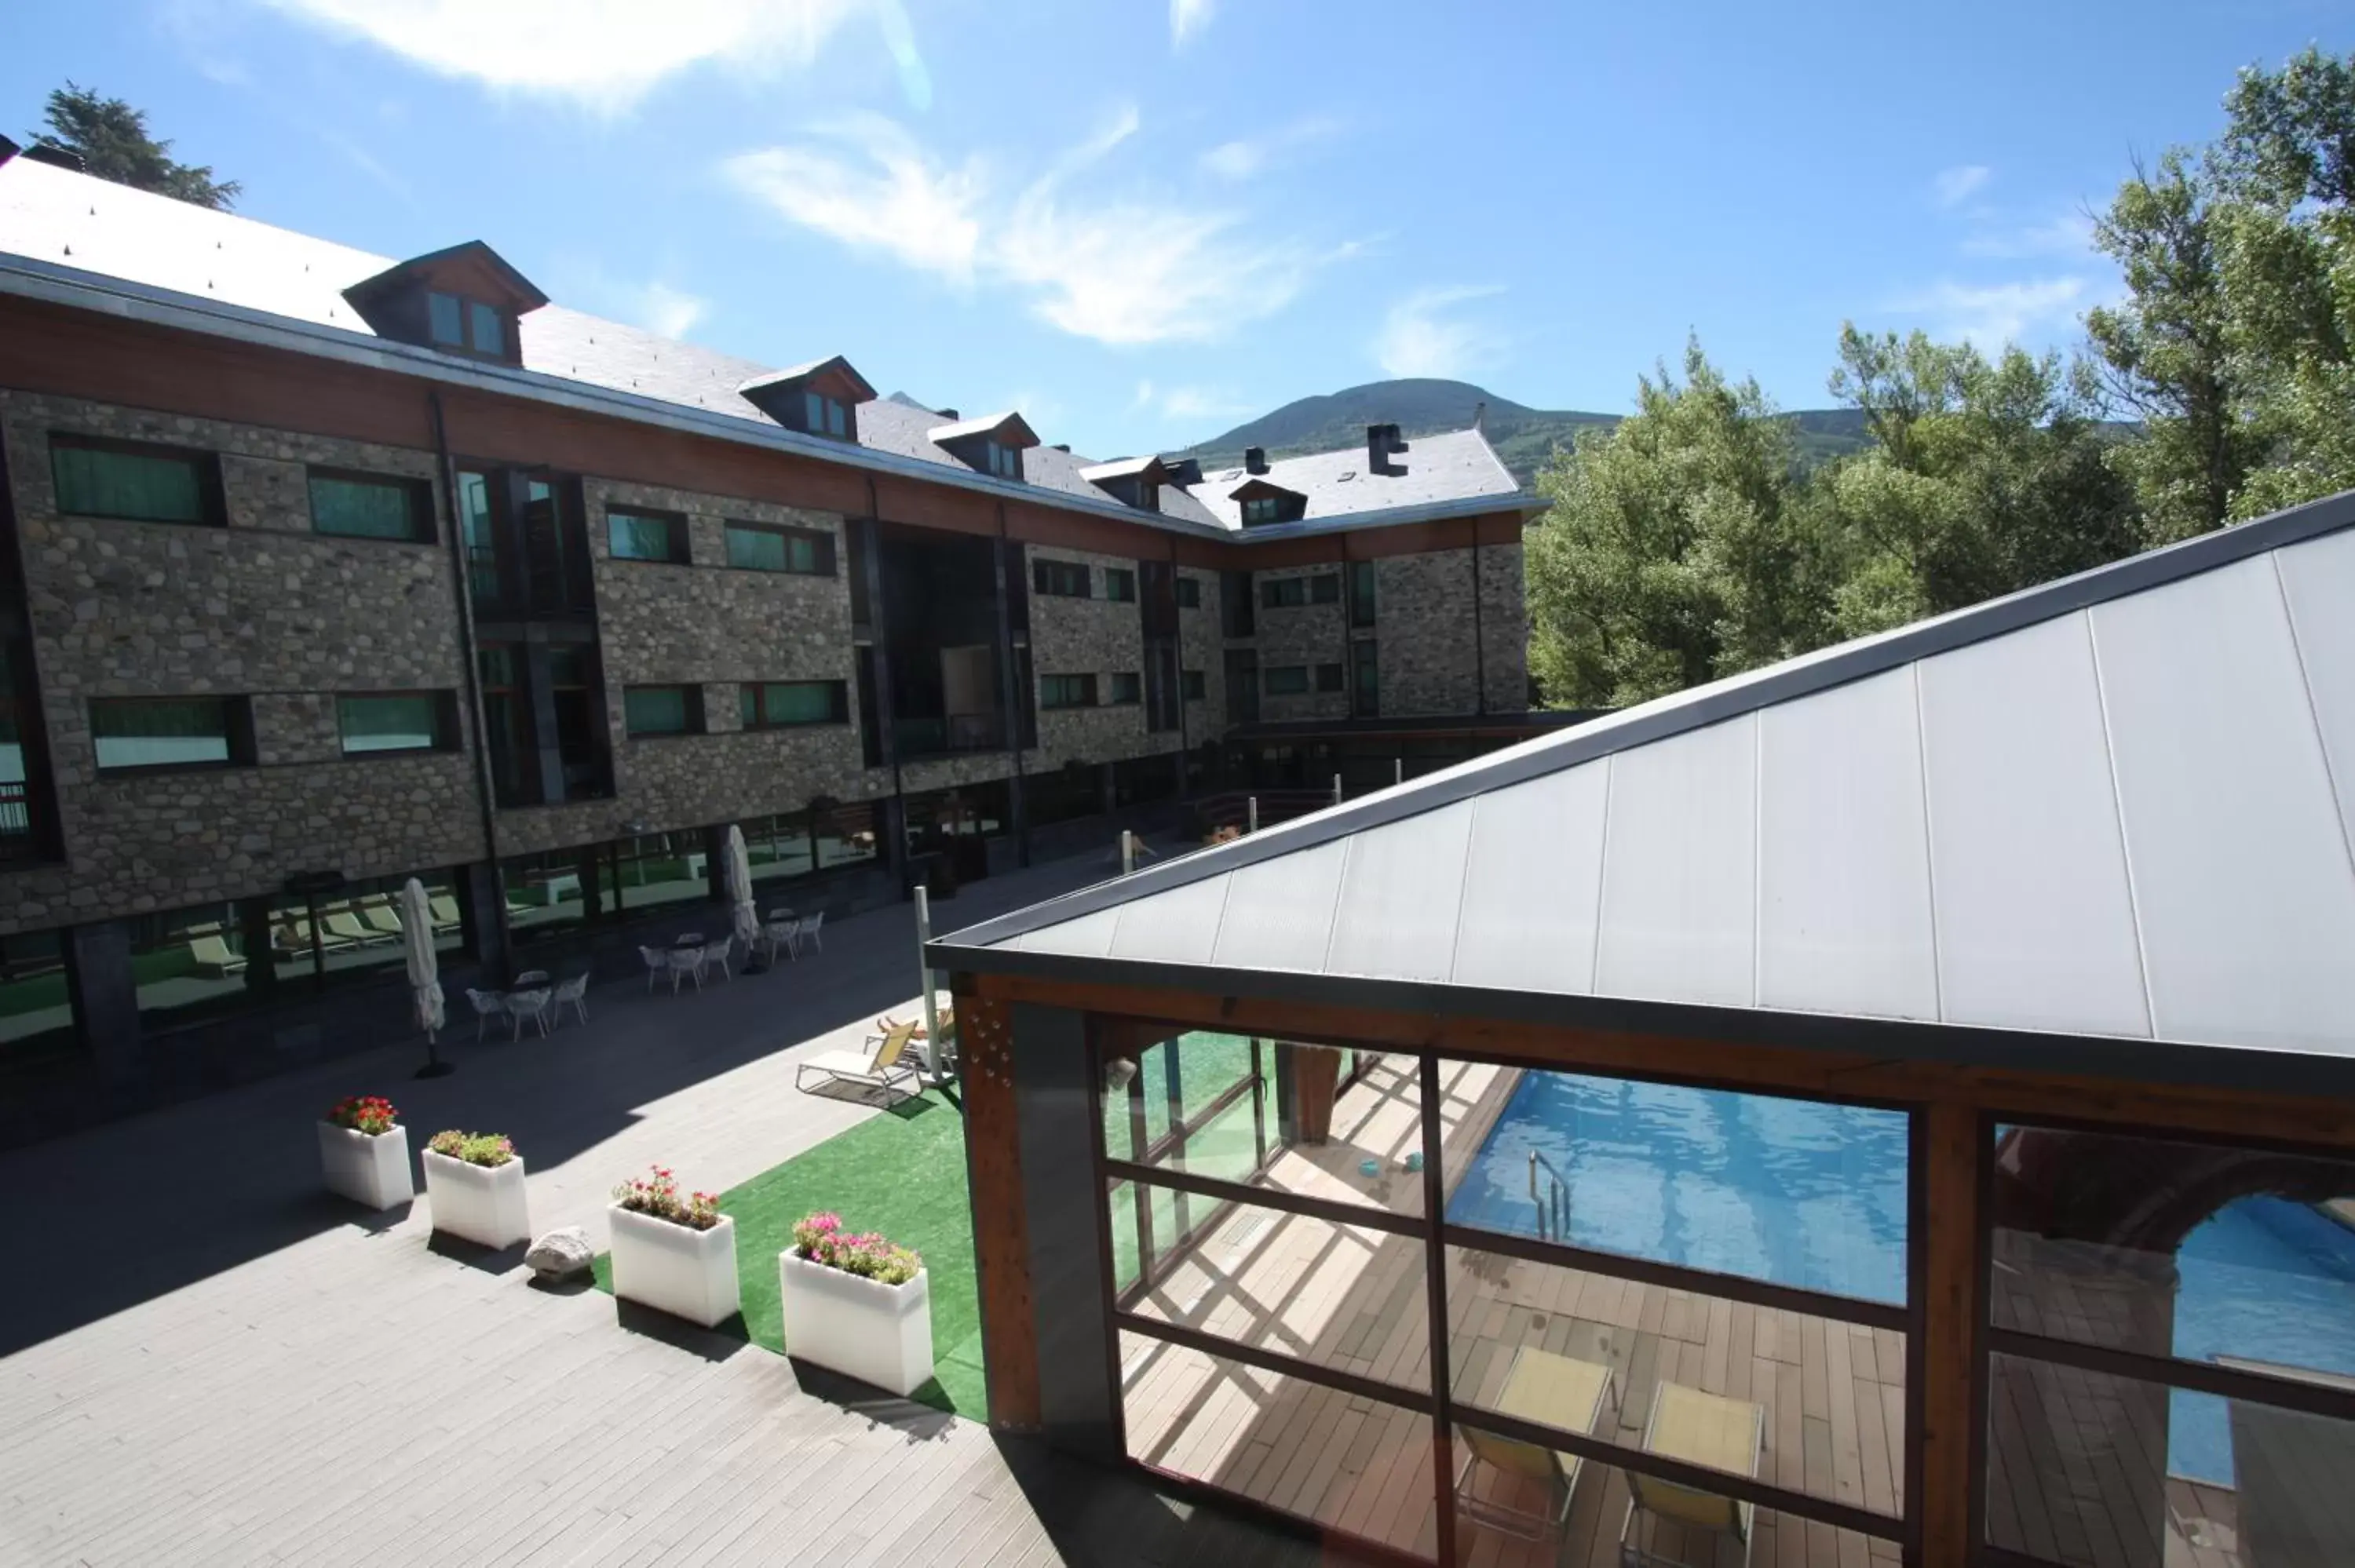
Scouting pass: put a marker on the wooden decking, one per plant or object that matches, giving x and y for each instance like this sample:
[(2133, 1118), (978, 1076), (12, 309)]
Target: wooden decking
[(1354, 1299)]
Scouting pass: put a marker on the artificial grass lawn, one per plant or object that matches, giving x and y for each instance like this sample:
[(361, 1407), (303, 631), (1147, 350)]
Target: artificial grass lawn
[(901, 1173)]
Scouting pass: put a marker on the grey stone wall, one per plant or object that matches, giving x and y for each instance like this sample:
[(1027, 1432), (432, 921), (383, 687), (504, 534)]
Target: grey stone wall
[(1310, 635), (1202, 646), (1505, 628), (264, 608), (1427, 655), (1091, 636)]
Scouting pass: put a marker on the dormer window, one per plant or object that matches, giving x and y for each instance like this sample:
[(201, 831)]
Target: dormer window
[(820, 399), (993, 445), (1262, 509), (1262, 504), (1135, 482), (465, 300)]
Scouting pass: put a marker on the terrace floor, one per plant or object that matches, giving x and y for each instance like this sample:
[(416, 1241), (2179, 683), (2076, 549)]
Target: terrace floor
[(203, 1360)]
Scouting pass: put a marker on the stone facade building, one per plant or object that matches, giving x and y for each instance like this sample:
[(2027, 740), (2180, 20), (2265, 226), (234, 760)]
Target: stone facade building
[(320, 572)]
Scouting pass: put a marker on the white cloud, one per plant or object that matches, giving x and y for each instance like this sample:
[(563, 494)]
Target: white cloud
[(1953, 186), (1188, 17), (606, 53), (667, 312), (2071, 234), (1119, 268), (1418, 338), (866, 182), (1248, 156), (1202, 403), (1989, 316)]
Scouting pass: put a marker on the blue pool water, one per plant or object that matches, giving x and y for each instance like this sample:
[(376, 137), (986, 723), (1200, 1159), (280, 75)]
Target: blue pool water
[(1814, 1195)]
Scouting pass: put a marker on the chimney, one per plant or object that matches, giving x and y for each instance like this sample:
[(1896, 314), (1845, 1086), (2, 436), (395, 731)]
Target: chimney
[(951, 415), (1062, 446), (1256, 460), (1380, 440), (1480, 414)]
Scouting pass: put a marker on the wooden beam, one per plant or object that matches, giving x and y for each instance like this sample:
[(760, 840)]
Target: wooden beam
[(1001, 1237), (1765, 1069), (1950, 1330)]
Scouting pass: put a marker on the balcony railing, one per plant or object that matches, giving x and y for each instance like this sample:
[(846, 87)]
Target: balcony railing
[(932, 735)]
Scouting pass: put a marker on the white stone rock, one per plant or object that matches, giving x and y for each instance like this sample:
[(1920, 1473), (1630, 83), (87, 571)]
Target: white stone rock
[(561, 1254)]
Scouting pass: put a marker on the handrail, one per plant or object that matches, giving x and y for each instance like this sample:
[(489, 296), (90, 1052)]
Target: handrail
[(1553, 1203)]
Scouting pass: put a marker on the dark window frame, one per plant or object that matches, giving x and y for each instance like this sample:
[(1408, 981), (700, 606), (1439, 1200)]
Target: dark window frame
[(425, 529), (682, 551), (1269, 683), (1134, 689), (1054, 578), (694, 717), (1189, 592), (1330, 679), (467, 344), (1325, 588), (822, 543), (1193, 685), (206, 462), (758, 691), (237, 727), (1120, 585), (1364, 597), (445, 724), (1086, 697)]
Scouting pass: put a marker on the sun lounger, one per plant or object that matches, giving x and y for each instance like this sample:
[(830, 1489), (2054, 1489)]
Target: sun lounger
[(346, 924), (214, 954), (384, 916), (1706, 1429), (879, 1065), (1518, 1487), (445, 909)]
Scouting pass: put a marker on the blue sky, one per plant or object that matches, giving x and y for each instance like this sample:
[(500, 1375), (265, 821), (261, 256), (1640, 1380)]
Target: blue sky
[(1141, 220)]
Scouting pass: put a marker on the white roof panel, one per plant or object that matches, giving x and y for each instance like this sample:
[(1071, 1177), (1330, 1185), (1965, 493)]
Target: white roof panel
[(1400, 894), (1173, 927), (2319, 580), (1532, 883), (1280, 912), (1679, 869)]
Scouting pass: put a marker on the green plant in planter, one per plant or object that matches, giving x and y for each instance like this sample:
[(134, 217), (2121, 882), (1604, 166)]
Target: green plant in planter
[(485, 1149)]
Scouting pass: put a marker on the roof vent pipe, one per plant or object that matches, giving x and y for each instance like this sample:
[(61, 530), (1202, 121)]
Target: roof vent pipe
[(949, 414), (1256, 460), (1480, 414)]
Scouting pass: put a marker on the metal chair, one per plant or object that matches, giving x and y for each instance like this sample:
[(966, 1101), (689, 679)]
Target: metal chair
[(530, 977), (573, 993), (685, 961), (781, 931), (810, 925), (531, 1004), (719, 952), (657, 962), (487, 1004)]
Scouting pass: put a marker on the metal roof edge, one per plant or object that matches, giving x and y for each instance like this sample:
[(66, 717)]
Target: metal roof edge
[(2185, 1063), (1702, 706), (1525, 502)]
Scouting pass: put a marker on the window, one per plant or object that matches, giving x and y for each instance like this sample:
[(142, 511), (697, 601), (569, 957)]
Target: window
[(1288, 680), (1328, 678), (1366, 681), (37, 1009), (1066, 579), (581, 725), (1262, 509), (230, 957), (404, 721), (646, 535), (662, 710), (366, 506), (1127, 687), (138, 733), (139, 483), (781, 704), (1189, 593), (1290, 593), (767, 547), (1067, 691), (1003, 460), (1361, 593), (1196, 688), (1120, 585), (825, 416), (467, 325)]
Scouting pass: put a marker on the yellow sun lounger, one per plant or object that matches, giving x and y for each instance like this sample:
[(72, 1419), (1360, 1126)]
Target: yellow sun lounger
[(1552, 1391), (1705, 1429)]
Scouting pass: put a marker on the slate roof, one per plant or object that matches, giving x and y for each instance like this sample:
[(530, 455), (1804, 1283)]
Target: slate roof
[(2101, 825), (71, 220), (1444, 466)]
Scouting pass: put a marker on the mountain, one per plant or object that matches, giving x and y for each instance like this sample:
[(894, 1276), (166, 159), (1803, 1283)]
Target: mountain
[(1523, 437)]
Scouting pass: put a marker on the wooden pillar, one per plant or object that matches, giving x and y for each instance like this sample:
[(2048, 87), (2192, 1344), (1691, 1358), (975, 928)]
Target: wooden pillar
[(1945, 1356), (1001, 1235)]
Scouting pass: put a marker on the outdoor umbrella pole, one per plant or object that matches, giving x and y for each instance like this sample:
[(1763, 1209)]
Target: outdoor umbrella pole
[(435, 1067)]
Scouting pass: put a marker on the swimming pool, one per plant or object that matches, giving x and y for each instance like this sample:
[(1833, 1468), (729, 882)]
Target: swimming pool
[(1813, 1195)]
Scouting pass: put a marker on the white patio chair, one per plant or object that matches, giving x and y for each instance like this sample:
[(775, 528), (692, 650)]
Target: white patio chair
[(781, 933), (657, 962), (809, 933), (531, 1004), (488, 1004), (719, 952), (685, 961), (573, 993)]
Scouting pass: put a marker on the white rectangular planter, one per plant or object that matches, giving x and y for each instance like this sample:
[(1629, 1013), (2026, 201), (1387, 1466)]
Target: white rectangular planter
[(483, 1204), (678, 1269), (373, 1171), (864, 1328)]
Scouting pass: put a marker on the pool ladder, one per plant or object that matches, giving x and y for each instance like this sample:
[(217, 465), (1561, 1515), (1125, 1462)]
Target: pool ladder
[(1551, 1198)]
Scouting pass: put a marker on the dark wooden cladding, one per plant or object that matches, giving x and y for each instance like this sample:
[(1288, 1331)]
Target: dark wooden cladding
[(1950, 1319), (2314, 1120), (1000, 1233)]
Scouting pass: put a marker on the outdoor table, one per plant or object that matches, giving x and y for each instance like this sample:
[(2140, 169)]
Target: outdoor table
[(530, 977), (687, 940)]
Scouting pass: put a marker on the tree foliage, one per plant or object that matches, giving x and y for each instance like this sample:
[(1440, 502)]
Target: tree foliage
[(110, 139)]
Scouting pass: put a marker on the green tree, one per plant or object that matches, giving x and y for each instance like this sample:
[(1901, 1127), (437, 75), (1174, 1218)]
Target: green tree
[(1674, 552), (1985, 477), (112, 139)]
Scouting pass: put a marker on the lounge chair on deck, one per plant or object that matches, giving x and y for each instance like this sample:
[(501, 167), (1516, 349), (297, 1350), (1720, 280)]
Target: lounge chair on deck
[(1518, 1487), (346, 924), (878, 1066), (443, 907), (212, 953), (383, 916), (1705, 1429)]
